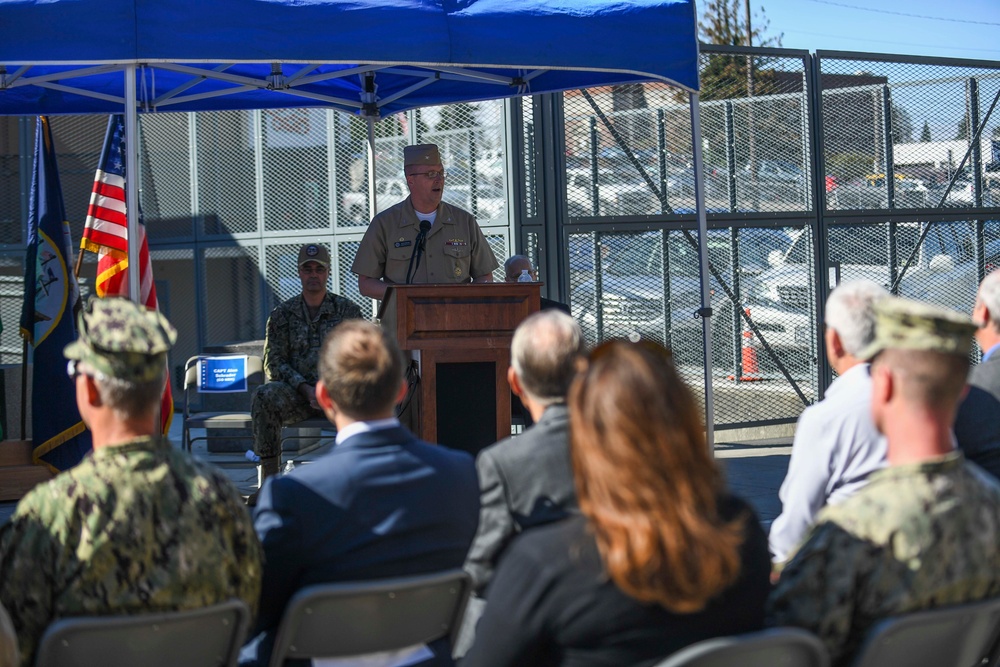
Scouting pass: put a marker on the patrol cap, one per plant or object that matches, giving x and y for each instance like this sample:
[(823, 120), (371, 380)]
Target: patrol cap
[(122, 339), (314, 252), (905, 324), (426, 154)]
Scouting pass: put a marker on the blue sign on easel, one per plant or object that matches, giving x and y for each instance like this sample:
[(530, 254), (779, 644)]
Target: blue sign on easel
[(222, 374)]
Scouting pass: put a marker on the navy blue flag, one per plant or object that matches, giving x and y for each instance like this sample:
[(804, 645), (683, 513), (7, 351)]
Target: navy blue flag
[(51, 297)]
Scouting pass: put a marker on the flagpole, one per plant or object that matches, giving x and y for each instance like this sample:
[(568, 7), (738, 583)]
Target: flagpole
[(132, 182)]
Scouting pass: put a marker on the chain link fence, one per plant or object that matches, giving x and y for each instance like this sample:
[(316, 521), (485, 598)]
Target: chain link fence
[(819, 168)]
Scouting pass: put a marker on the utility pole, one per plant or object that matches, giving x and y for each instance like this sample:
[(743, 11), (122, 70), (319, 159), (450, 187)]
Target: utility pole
[(754, 182)]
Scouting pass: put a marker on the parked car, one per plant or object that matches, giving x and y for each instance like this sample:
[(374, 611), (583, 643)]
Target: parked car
[(629, 297), (856, 252)]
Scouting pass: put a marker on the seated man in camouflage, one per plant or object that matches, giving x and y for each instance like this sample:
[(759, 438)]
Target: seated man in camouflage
[(137, 526), (923, 532), (295, 332)]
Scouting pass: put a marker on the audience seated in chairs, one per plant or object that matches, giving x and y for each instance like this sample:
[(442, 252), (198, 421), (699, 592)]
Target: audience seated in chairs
[(923, 532), (380, 504), (662, 556)]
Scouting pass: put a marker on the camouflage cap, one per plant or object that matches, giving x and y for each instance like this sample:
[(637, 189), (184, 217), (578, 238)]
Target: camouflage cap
[(314, 252), (122, 339), (425, 154), (905, 324)]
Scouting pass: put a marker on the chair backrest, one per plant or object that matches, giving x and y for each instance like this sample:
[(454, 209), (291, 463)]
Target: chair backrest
[(208, 636), (777, 647), (350, 619), (195, 366), (959, 636)]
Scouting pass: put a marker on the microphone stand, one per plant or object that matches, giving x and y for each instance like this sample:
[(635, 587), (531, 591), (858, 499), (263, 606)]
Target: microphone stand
[(418, 250)]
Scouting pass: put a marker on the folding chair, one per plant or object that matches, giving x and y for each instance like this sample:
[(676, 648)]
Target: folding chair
[(777, 647), (955, 636), (351, 619), (208, 636), (211, 374)]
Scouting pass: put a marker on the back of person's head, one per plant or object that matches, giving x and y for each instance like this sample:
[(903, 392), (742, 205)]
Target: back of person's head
[(361, 367), (514, 265), (850, 311), (927, 379), (989, 295), (646, 480), (926, 348), (123, 346), (544, 353)]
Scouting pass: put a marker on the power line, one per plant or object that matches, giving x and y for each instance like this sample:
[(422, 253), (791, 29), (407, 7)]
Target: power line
[(923, 45), (914, 16)]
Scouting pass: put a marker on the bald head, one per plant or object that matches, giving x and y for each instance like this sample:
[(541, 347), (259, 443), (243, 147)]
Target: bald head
[(514, 265)]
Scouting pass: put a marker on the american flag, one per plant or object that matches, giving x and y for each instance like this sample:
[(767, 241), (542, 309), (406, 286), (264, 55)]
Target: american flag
[(106, 227), (106, 233)]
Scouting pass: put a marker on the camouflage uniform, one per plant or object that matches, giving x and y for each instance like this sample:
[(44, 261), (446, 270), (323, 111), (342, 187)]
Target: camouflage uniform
[(135, 527), (918, 536), (291, 353)]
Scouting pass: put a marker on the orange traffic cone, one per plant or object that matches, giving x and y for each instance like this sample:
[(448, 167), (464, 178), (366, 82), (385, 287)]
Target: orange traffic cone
[(748, 357)]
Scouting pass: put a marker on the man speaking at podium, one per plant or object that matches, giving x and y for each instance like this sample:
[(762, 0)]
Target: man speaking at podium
[(422, 239)]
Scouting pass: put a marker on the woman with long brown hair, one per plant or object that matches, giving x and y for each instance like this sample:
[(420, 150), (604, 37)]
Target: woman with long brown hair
[(662, 556)]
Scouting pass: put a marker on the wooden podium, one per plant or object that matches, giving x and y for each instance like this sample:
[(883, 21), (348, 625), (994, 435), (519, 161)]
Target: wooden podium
[(462, 333)]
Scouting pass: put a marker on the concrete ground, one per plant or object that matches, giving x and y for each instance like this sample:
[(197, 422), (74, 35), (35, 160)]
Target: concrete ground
[(754, 468)]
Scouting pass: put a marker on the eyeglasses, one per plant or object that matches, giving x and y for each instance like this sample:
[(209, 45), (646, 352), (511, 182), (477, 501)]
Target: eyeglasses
[(73, 370), (431, 175)]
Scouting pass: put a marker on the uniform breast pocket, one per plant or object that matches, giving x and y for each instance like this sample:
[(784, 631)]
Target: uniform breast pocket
[(458, 258)]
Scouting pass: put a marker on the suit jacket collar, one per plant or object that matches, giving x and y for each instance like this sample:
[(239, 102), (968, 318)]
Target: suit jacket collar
[(397, 435)]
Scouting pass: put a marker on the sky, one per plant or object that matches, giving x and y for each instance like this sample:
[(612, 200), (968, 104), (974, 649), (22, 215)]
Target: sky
[(955, 29)]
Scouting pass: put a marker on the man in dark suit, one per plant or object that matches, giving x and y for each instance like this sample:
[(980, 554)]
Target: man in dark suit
[(514, 268), (977, 425), (527, 480), (381, 504)]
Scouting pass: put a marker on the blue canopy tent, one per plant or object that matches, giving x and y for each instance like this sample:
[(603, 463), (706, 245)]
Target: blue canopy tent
[(368, 57)]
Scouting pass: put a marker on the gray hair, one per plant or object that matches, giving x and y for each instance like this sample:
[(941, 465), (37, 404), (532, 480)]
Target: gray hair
[(989, 294), (850, 312), (127, 399), (544, 354)]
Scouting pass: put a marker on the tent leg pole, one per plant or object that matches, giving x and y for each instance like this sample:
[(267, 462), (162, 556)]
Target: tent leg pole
[(371, 163), (706, 304), (132, 183)]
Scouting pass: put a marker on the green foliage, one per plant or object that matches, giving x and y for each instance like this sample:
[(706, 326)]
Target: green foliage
[(848, 166), (456, 116), (725, 76), (925, 134)]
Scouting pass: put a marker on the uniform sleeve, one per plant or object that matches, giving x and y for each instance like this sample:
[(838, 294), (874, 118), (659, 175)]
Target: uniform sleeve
[(370, 259), (483, 260), (512, 630), (277, 350), (246, 564), (818, 588), (803, 492), (27, 558), (496, 526)]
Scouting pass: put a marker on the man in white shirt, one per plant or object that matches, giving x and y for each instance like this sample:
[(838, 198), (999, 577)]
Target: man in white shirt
[(836, 443)]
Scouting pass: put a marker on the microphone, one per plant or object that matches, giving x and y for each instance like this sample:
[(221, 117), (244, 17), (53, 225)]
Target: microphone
[(418, 250)]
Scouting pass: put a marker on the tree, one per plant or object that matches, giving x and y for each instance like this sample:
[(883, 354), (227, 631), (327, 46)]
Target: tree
[(925, 134), (455, 116), (902, 125), (725, 76), (963, 128)]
